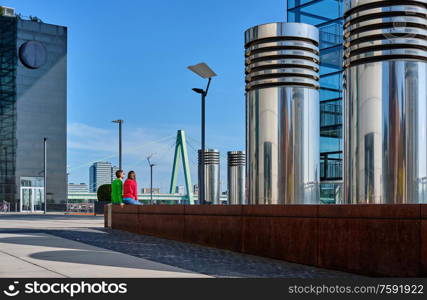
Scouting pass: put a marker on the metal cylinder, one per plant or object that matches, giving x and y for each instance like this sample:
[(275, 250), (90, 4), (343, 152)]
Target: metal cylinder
[(236, 177), (212, 176), (282, 113), (385, 99)]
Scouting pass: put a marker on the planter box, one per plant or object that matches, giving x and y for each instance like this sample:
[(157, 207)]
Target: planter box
[(376, 240)]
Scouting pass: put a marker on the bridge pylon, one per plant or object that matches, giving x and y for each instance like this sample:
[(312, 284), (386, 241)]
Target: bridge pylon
[(181, 152)]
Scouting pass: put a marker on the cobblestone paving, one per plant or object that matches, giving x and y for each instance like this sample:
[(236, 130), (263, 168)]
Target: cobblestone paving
[(205, 260)]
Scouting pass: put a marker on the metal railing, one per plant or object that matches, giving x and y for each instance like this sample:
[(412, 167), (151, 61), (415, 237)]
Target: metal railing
[(331, 165), (80, 206), (331, 192)]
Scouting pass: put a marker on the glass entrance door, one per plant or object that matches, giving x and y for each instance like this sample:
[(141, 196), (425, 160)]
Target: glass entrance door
[(38, 203), (32, 194), (26, 199), (32, 199)]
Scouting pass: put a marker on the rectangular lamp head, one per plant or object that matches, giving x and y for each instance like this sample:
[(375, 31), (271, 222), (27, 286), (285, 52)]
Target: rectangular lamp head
[(202, 70)]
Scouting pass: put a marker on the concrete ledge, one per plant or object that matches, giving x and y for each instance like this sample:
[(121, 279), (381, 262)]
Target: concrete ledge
[(376, 240)]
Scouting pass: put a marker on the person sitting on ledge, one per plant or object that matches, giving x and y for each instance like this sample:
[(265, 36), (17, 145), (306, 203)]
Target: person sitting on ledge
[(117, 188), (130, 193)]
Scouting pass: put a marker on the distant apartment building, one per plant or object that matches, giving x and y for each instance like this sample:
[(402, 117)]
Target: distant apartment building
[(99, 174), (196, 189), (180, 190), (78, 188), (148, 191)]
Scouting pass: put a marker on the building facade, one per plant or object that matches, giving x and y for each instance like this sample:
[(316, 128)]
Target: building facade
[(327, 15), (99, 173), (78, 188), (148, 191), (114, 169), (33, 106), (180, 190)]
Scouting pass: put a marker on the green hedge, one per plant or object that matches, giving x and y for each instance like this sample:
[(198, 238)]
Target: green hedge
[(104, 193)]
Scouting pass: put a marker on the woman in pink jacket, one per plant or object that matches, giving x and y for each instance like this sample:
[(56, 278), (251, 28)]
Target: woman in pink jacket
[(130, 190)]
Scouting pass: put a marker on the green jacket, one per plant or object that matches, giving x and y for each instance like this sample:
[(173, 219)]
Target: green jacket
[(117, 191)]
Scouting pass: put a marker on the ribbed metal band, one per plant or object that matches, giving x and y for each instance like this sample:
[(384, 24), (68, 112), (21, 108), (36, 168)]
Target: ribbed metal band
[(379, 30), (236, 158), (211, 157), (282, 54)]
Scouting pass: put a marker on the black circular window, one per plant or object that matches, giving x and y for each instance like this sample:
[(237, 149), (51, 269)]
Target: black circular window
[(33, 54)]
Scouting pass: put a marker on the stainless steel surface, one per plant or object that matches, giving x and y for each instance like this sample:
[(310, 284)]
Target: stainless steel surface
[(236, 172), (282, 113), (385, 100), (212, 176), (281, 29)]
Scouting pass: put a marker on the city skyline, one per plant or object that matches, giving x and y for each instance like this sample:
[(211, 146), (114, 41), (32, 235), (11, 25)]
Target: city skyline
[(103, 74), (313, 137)]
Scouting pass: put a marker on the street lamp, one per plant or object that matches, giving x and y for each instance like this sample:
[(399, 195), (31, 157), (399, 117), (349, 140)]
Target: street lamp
[(45, 173), (205, 72), (151, 177), (120, 122)]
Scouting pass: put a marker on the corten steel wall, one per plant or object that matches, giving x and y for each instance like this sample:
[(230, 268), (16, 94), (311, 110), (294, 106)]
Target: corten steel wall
[(378, 240), (385, 100), (282, 113)]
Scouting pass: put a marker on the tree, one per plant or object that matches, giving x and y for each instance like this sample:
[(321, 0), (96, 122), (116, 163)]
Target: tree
[(104, 193)]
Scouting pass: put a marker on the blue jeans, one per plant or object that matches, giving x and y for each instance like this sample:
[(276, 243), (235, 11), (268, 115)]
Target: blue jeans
[(131, 201)]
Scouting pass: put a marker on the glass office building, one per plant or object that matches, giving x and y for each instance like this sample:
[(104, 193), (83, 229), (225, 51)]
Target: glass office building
[(8, 67), (33, 105), (100, 173), (327, 15)]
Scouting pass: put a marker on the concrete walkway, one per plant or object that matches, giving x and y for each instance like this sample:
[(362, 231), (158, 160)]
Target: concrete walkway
[(26, 254), (49, 221), (57, 245)]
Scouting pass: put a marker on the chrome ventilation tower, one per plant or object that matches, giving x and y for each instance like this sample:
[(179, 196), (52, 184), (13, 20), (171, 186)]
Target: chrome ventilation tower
[(282, 113), (385, 100), (236, 177), (212, 176)]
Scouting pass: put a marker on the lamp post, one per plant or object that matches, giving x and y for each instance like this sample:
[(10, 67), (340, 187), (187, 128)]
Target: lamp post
[(45, 173), (120, 122), (203, 70), (151, 178)]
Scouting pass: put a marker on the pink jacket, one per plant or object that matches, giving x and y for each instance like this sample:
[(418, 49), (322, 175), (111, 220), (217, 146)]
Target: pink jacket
[(130, 189)]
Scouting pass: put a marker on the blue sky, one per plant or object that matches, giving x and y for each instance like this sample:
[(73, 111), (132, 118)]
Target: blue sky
[(128, 59)]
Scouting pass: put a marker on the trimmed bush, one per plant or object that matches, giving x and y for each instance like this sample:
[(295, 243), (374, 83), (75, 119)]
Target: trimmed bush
[(104, 193)]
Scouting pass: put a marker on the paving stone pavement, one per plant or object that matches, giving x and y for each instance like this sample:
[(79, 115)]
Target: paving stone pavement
[(205, 260), (195, 258)]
